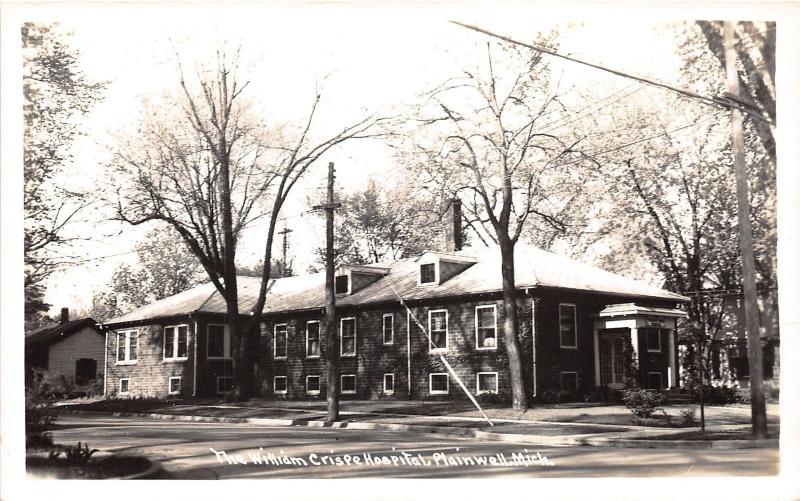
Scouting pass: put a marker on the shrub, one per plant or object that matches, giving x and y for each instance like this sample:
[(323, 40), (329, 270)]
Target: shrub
[(742, 396), (720, 395), (492, 398), (689, 416), (642, 403), (38, 420), (46, 385), (599, 394), (77, 455)]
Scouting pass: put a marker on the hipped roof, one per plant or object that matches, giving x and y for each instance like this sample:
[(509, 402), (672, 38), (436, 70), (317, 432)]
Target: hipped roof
[(534, 267)]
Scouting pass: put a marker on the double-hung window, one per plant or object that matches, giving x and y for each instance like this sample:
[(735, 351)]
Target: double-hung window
[(486, 327), (388, 328), (312, 339), (218, 342), (437, 327), (567, 326), (176, 342), (280, 342), (127, 347), (347, 337)]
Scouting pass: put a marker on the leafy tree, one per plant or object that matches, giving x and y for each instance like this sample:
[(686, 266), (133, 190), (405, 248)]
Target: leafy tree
[(381, 224), (166, 267), (204, 163), (485, 137), (56, 95)]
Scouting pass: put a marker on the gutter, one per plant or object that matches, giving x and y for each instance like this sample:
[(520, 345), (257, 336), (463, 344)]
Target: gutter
[(196, 337), (408, 349)]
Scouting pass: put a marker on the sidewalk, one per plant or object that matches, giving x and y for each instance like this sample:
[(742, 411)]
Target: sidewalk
[(554, 425)]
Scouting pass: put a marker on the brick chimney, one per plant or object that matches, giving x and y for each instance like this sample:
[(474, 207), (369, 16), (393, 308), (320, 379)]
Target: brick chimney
[(453, 230), (64, 315)]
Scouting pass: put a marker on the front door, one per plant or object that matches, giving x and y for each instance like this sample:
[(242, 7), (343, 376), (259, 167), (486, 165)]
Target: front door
[(612, 360)]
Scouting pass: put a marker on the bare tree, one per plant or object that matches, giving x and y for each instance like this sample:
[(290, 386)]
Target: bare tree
[(205, 165), (490, 138)]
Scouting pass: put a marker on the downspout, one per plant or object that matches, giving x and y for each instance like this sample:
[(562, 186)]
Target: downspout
[(408, 349), (105, 361), (194, 371), (533, 337)]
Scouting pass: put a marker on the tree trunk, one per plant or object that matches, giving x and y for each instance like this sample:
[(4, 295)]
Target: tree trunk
[(519, 397)]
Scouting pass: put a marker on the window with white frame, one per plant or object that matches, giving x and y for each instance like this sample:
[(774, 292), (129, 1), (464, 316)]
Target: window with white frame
[(439, 384), (312, 385), (653, 340), (124, 385), (174, 385), (176, 342), (127, 347), (487, 382), (224, 384), (348, 384), (437, 328), (347, 337), (279, 385), (388, 328), (567, 326), (280, 341), (427, 273), (486, 327), (312, 339), (569, 381), (388, 384), (218, 341)]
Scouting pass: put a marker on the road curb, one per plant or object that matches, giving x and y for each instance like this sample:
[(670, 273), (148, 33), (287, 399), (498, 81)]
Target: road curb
[(459, 431)]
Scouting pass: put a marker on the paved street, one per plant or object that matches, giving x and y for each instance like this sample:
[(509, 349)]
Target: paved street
[(184, 448)]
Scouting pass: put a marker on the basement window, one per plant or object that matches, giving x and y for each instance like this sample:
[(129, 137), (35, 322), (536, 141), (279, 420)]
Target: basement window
[(174, 385), (487, 382), (569, 381), (388, 384), (279, 385), (348, 384), (439, 384), (312, 385), (224, 384), (124, 386)]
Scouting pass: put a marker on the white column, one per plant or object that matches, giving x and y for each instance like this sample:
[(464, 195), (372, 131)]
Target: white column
[(635, 345), (672, 369), (596, 356)]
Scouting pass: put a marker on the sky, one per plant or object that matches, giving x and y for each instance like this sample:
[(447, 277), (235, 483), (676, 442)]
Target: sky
[(365, 58)]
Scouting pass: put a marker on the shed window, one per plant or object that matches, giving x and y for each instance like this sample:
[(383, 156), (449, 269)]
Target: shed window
[(342, 284), (85, 370), (427, 273)]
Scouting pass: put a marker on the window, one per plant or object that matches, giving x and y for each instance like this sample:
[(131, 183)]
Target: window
[(566, 325), (427, 273), (224, 384), (176, 343), (348, 384), (174, 385), (486, 327), (654, 380), (487, 382), (437, 327), (280, 342), (342, 284), (653, 340), (738, 361), (218, 342), (569, 381), (124, 385), (388, 384), (388, 328), (312, 339), (85, 370), (312, 385), (347, 337), (127, 347), (439, 384), (279, 385)]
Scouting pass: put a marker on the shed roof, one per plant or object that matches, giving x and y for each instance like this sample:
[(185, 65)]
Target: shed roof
[(50, 334), (533, 268)]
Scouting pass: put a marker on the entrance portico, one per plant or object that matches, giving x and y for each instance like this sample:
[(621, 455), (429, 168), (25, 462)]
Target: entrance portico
[(618, 330)]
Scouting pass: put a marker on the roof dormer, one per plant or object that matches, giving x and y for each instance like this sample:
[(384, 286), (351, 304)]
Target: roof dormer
[(351, 278), (436, 268)]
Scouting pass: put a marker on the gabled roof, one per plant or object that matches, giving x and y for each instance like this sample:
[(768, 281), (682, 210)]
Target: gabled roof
[(533, 267), (50, 334)]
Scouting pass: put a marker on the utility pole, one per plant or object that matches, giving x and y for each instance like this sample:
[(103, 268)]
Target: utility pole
[(284, 232), (331, 340), (757, 405)]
